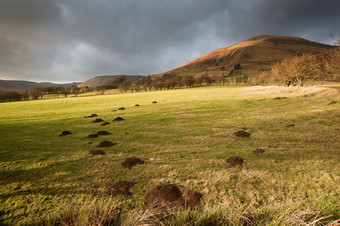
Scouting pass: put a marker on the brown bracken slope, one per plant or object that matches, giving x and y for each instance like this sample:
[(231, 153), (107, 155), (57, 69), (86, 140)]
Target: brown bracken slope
[(106, 80), (254, 55)]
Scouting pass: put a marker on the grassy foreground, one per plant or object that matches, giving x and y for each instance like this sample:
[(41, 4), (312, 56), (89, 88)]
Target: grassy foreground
[(184, 139)]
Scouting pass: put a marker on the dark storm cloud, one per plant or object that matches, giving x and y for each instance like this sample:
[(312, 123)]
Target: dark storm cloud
[(65, 40)]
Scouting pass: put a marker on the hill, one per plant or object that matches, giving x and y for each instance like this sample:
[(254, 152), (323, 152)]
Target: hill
[(28, 85), (107, 80), (254, 55)]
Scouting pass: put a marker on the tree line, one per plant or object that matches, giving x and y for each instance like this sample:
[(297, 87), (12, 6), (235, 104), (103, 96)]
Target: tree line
[(174, 81), (39, 92)]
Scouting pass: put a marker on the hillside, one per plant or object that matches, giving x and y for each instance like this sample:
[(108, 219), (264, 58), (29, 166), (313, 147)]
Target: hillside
[(106, 80), (27, 85), (254, 55)]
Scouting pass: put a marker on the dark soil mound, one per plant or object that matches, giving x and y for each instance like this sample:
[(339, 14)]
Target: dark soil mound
[(235, 160), (105, 124), (258, 151), (65, 133), (290, 125), (118, 119), (114, 110), (154, 102), (136, 105), (97, 152), (105, 144), (163, 196), (121, 108), (93, 135), (98, 120), (131, 162), (192, 199), (91, 116), (279, 98), (333, 102), (242, 133), (121, 187), (101, 133), (126, 133)]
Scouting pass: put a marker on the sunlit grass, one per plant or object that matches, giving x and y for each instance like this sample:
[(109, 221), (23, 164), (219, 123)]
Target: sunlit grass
[(183, 139)]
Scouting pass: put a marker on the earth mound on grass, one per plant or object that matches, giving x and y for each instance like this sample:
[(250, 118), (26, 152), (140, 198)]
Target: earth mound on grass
[(235, 160), (98, 120), (333, 102), (192, 199), (97, 152), (121, 108), (105, 144), (121, 187), (65, 133), (131, 162), (105, 124), (102, 133), (91, 116), (258, 151), (136, 105), (93, 135), (118, 119), (279, 98), (242, 133), (290, 125), (163, 196), (154, 102)]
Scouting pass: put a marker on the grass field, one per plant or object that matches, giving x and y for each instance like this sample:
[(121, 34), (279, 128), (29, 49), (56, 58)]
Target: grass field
[(184, 139)]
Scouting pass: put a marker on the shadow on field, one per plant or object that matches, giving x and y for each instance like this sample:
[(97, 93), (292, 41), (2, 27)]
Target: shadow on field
[(41, 180)]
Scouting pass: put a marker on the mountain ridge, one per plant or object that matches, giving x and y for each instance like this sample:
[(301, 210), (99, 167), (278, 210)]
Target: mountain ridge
[(28, 85), (255, 54)]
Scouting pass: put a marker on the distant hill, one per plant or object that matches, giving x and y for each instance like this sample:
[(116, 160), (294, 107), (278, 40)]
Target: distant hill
[(254, 55), (27, 85), (107, 80)]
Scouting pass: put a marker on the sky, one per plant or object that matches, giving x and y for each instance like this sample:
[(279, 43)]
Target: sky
[(74, 40)]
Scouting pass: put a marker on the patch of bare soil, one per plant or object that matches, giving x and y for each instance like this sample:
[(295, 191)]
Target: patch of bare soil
[(97, 152), (163, 196), (91, 116), (235, 160), (102, 133), (98, 120), (279, 98), (105, 144), (121, 187), (93, 135), (154, 102), (131, 162), (242, 133), (114, 110), (105, 124), (258, 151), (126, 133), (118, 119), (333, 102), (290, 125), (136, 105), (121, 108), (65, 133), (191, 199)]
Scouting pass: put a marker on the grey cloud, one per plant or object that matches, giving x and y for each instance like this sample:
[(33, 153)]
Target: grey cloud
[(65, 40)]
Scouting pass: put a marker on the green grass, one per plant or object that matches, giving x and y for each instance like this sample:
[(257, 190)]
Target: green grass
[(183, 139)]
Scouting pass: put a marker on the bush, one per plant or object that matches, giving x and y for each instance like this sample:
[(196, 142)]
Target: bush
[(300, 70)]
